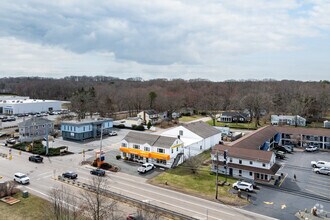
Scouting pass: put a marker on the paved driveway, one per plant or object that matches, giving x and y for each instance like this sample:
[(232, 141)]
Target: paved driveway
[(292, 196)]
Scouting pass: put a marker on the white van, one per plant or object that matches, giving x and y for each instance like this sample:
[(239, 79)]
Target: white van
[(320, 164)]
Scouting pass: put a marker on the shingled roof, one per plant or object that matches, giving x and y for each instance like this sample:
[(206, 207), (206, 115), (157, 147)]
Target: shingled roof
[(202, 129), (36, 121), (152, 140), (248, 154)]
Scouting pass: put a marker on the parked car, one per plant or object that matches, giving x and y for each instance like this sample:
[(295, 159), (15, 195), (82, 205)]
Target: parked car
[(36, 158), (98, 172), (112, 133), (4, 119), (243, 186), (70, 175), (311, 148), (280, 154), (322, 170), (134, 216), (21, 178), (11, 118), (284, 149), (11, 141), (320, 164), (145, 167)]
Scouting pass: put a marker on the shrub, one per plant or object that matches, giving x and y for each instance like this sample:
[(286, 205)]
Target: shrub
[(118, 157), (94, 164), (105, 166), (119, 126), (138, 127), (125, 158)]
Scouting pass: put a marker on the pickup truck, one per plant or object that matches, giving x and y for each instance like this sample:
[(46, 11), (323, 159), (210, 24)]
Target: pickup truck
[(320, 164), (145, 167)]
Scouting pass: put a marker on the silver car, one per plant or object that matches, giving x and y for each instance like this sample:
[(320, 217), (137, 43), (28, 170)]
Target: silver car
[(322, 170)]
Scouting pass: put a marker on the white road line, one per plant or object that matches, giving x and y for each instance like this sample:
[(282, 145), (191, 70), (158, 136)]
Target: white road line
[(320, 194), (323, 183), (184, 201), (317, 187), (161, 202)]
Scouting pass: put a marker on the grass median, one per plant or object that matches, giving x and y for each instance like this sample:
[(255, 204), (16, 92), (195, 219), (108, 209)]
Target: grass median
[(201, 184)]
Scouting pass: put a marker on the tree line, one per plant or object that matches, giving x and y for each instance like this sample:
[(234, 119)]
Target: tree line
[(106, 95)]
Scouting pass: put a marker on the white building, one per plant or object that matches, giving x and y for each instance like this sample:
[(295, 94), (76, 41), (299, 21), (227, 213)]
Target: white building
[(293, 120), (172, 147), (326, 124), (129, 122), (149, 115), (197, 137), (250, 164), (159, 150), (22, 106)]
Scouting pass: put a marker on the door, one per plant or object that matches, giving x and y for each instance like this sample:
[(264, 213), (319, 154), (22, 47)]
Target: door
[(230, 171)]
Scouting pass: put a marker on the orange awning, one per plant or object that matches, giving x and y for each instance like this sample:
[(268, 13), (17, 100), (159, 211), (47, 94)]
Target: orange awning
[(159, 156)]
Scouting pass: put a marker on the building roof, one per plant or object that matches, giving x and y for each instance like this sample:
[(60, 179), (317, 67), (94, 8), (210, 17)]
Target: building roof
[(86, 121), (287, 117), (151, 139), (303, 131), (231, 114), (21, 101), (257, 138), (36, 120), (202, 129), (272, 171), (248, 154)]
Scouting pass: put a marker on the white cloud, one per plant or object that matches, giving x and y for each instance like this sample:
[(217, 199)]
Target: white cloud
[(164, 35)]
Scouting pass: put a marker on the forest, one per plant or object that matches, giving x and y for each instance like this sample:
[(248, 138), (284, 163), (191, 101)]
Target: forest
[(107, 95)]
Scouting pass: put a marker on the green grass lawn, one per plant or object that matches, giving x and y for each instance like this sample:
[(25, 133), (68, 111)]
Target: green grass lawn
[(201, 184), (28, 208), (190, 118)]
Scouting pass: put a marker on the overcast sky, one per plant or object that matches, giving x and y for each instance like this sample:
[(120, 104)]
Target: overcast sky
[(210, 39)]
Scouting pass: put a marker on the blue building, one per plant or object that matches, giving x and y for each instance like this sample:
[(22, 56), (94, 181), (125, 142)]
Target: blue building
[(85, 129)]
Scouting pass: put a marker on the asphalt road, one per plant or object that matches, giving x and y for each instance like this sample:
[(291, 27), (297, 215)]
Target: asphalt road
[(41, 177), (298, 195)]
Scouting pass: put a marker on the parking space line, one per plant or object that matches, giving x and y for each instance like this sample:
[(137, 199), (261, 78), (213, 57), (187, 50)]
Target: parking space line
[(318, 189), (282, 180), (323, 183), (320, 194)]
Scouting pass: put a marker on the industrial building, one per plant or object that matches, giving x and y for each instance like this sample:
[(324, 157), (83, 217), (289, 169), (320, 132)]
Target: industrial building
[(22, 106)]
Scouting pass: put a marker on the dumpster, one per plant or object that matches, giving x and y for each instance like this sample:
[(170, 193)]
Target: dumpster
[(25, 194)]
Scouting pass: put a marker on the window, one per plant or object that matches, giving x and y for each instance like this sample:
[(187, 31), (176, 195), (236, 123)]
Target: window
[(250, 173), (135, 146), (161, 161), (264, 165), (43, 126), (261, 176), (258, 175), (124, 155), (177, 149), (200, 147), (230, 160), (240, 172), (180, 132), (84, 128), (172, 150), (123, 144), (146, 148), (160, 150), (251, 162), (240, 161), (266, 177)]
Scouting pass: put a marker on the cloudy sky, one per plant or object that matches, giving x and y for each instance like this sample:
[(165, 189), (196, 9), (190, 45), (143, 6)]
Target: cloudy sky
[(211, 39)]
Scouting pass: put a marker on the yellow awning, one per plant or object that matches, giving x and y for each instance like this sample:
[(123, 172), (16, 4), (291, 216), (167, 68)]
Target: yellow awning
[(145, 153), (159, 156)]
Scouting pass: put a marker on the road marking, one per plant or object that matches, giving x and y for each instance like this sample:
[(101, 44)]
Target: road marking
[(313, 182), (320, 194), (184, 201), (161, 202), (282, 180), (269, 203), (283, 206)]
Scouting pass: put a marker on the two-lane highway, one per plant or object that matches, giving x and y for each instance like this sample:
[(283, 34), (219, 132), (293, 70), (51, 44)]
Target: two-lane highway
[(42, 180)]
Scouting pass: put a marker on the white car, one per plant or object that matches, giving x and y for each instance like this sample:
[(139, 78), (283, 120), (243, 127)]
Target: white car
[(21, 178), (112, 133), (322, 170), (320, 164), (243, 186), (145, 167), (311, 148)]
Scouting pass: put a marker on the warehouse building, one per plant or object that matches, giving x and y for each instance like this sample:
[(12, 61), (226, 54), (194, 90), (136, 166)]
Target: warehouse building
[(23, 106)]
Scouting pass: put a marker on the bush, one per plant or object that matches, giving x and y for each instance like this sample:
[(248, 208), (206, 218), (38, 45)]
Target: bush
[(94, 164), (105, 166), (138, 127), (118, 157), (119, 126)]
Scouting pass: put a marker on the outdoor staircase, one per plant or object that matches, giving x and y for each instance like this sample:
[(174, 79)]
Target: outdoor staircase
[(176, 160)]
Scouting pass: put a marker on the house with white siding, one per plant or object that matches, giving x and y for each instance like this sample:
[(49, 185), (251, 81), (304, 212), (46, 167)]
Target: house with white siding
[(257, 165), (149, 148)]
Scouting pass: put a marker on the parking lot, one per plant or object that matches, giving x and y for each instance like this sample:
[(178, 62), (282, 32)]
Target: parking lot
[(305, 192)]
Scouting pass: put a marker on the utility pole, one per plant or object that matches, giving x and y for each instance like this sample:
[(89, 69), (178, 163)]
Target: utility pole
[(217, 177), (225, 162)]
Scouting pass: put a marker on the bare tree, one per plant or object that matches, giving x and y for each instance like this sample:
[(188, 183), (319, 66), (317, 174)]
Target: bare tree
[(97, 205), (64, 205)]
